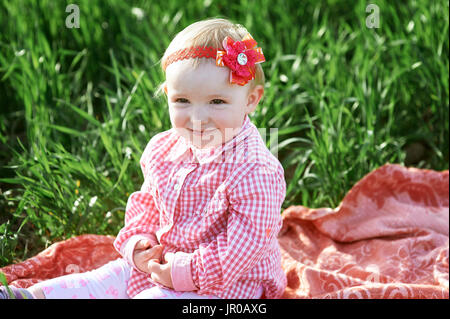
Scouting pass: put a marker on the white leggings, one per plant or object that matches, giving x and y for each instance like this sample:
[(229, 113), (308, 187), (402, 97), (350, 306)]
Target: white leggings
[(107, 282)]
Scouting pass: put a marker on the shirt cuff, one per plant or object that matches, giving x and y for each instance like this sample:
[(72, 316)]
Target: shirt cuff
[(181, 272), (127, 248)]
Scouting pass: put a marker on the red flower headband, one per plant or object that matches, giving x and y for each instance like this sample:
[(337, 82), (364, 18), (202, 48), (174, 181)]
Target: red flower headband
[(239, 56)]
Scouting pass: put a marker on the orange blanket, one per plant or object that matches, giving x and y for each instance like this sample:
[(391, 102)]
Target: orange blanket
[(389, 238)]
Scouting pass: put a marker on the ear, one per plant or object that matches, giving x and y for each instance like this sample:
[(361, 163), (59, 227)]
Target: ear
[(165, 87), (253, 98)]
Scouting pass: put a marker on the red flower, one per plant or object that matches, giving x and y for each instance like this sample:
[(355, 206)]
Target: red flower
[(240, 57)]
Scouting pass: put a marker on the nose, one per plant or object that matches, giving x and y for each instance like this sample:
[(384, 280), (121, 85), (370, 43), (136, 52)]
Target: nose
[(199, 117)]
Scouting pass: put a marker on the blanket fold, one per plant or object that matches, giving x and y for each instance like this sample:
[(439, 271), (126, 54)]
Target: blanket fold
[(389, 238)]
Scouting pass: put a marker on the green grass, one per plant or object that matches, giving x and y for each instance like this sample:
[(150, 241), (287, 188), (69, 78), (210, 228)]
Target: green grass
[(78, 106), (4, 282)]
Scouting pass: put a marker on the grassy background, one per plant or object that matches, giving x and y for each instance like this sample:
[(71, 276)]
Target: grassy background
[(77, 106)]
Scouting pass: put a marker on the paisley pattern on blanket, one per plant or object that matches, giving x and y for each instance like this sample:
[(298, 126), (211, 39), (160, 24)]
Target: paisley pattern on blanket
[(77, 254), (387, 239)]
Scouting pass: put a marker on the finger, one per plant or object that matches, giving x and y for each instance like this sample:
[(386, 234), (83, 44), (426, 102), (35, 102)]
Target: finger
[(157, 252), (148, 250), (154, 251), (155, 277), (159, 278), (144, 258), (142, 244), (158, 247), (168, 257), (147, 255), (154, 266)]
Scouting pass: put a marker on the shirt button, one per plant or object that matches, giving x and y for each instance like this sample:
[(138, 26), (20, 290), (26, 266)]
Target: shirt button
[(176, 186)]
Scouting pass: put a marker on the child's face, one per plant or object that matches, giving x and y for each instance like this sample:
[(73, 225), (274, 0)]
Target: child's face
[(204, 107)]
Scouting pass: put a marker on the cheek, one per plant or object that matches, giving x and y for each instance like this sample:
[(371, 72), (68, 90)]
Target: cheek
[(229, 119), (177, 118), (229, 124)]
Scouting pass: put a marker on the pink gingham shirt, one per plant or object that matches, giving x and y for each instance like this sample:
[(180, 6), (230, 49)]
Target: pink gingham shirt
[(217, 209)]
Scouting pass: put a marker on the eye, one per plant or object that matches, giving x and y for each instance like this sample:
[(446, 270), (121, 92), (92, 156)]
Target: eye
[(181, 100), (218, 101)]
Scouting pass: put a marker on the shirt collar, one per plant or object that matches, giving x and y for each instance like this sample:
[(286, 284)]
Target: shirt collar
[(185, 151)]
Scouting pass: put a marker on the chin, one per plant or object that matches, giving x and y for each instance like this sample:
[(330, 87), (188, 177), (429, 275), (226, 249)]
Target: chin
[(203, 144)]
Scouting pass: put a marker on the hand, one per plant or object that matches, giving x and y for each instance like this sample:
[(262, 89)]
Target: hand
[(161, 273), (143, 254)]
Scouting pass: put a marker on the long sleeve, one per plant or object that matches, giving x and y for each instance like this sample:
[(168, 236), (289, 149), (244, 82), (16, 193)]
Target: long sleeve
[(141, 222), (141, 216), (253, 224)]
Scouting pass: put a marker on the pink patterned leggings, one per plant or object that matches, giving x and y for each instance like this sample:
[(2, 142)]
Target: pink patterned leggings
[(107, 282)]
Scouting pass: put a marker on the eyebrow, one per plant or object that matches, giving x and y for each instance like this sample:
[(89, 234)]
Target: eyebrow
[(218, 95), (211, 96)]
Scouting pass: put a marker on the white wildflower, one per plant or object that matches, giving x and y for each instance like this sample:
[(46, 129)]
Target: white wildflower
[(138, 13), (128, 152), (92, 201), (416, 65), (410, 26), (283, 78), (20, 53), (77, 203)]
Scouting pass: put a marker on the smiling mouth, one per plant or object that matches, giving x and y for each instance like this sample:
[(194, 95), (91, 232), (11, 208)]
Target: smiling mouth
[(201, 132)]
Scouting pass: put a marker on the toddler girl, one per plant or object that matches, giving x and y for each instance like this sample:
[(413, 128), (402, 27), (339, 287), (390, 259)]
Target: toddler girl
[(205, 222)]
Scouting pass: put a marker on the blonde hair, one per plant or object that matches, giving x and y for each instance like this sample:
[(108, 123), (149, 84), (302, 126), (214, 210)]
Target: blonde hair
[(209, 33)]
